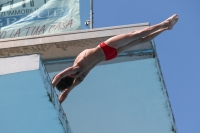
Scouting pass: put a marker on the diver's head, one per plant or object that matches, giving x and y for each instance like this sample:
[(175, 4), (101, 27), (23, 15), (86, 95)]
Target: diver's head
[(64, 83)]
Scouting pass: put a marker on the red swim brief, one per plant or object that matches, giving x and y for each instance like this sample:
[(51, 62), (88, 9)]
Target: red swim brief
[(109, 52)]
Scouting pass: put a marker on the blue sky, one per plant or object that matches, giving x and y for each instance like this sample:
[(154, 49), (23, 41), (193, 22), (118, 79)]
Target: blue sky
[(178, 49)]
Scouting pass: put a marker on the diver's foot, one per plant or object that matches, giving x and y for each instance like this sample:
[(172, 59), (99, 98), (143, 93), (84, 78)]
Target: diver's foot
[(171, 21)]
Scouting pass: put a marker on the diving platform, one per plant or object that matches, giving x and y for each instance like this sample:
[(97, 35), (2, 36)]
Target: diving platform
[(58, 49)]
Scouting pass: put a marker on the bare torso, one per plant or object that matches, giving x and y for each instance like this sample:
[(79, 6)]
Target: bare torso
[(88, 58)]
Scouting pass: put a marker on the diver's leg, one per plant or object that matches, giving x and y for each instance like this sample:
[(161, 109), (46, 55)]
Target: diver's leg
[(124, 39), (140, 40)]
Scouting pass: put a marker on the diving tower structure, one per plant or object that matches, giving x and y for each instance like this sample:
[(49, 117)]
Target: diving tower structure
[(146, 101)]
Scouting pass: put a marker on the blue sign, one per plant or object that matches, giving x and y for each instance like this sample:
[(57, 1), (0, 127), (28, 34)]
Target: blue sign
[(19, 17)]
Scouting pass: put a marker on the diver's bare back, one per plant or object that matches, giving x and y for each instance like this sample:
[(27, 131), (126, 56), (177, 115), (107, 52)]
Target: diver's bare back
[(87, 58)]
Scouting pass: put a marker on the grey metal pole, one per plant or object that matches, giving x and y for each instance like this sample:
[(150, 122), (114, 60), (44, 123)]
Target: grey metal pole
[(91, 14)]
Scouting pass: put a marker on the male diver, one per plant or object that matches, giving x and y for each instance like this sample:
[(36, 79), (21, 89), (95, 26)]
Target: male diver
[(66, 80)]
